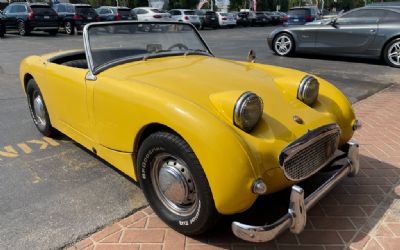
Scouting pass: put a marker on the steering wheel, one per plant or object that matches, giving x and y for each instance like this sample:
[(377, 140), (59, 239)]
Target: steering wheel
[(179, 46)]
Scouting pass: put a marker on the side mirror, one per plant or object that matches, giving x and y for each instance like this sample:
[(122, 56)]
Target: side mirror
[(251, 57)]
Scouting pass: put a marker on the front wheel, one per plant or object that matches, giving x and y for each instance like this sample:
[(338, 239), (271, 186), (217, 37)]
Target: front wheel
[(22, 29), (392, 53), (38, 109), (69, 28), (175, 185), (283, 45)]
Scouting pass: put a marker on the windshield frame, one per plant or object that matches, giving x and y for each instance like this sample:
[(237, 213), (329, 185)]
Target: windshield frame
[(94, 71)]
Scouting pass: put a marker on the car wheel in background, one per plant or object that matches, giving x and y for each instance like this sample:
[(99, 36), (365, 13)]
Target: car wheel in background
[(38, 109), (283, 44), (2, 32), (53, 32), (175, 185), (69, 28), (22, 29), (391, 53)]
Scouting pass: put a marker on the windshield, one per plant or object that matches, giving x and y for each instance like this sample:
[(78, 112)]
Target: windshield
[(116, 43)]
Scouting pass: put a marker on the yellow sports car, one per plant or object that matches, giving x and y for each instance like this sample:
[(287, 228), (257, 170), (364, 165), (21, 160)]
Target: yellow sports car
[(203, 136)]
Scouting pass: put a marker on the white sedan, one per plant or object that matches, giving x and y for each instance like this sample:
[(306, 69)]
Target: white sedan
[(226, 19), (151, 14)]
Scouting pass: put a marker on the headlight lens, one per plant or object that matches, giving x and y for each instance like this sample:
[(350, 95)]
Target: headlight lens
[(248, 111), (308, 90)]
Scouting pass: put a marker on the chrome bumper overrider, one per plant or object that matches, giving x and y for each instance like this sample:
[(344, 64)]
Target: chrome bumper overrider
[(295, 218)]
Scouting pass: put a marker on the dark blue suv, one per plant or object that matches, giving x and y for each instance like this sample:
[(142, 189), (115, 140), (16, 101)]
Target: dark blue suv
[(302, 15)]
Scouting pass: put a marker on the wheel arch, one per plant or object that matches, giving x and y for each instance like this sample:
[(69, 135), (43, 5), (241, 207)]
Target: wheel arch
[(387, 42), (27, 78)]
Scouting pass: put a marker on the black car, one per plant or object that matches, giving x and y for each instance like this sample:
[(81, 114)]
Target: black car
[(208, 18), (73, 17), (110, 13), (259, 18), (2, 24), (27, 17), (274, 17), (243, 19)]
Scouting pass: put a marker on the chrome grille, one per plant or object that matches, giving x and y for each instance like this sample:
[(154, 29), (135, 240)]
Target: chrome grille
[(309, 153)]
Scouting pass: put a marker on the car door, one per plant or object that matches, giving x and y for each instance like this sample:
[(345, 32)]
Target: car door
[(351, 33), (66, 94), (11, 17)]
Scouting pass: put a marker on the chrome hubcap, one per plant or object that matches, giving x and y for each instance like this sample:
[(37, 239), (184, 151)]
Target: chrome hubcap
[(174, 184), (68, 28), (40, 113), (394, 54), (283, 45)]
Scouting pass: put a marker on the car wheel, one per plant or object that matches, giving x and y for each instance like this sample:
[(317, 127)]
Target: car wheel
[(392, 53), (2, 32), (53, 32), (175, 185), (283, 44), (22, 29), (38, 109), (69, 28)]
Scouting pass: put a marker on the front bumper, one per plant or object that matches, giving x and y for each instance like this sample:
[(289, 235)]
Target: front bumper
[(295, 218)]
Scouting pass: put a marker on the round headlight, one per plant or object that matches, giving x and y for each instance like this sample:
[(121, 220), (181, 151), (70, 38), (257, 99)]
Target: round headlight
[(248, 111), (308, 90)]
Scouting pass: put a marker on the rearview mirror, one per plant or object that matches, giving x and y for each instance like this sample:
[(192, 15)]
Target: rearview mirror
[(251, 57)]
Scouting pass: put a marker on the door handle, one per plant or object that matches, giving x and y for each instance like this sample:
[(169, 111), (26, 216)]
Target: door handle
[(372, 30)]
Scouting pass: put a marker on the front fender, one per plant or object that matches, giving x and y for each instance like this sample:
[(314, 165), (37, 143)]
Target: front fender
[(123, 111)]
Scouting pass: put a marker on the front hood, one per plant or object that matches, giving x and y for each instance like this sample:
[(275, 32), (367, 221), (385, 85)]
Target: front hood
[(202, 79), (197, 77)]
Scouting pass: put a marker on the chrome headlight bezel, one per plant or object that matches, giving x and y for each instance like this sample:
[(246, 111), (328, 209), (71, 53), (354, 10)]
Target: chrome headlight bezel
[(308, 90), (241, 111)]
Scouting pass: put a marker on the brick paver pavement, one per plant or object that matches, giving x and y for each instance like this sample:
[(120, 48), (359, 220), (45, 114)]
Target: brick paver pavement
[(360, 213)]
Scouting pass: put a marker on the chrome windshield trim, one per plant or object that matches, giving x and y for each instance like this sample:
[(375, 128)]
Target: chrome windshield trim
[(86, 40)]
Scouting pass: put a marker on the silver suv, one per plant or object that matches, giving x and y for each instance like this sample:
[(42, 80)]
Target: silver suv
[(187, 16)]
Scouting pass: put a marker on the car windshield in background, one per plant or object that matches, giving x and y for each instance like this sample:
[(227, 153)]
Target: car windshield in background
[(298, 12), (117, 43), (85, 10), (189, 13), (42, 10)]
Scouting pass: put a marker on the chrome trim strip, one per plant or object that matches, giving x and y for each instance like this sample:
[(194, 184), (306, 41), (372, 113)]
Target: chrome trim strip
[(295, 218)]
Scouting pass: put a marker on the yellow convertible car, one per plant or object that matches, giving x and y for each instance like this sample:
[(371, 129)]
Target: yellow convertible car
[(203, 136)]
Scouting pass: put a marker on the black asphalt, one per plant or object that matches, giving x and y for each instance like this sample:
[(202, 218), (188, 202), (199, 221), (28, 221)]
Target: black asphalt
[(53, 193)]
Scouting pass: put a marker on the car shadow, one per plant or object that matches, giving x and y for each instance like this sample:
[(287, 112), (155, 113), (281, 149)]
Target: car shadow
[(343, 218), (346, 59)]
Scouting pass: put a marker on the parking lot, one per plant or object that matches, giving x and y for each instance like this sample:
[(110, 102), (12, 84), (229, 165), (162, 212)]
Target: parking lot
[(53, 192)]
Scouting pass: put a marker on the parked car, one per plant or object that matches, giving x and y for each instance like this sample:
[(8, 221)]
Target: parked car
[(26, 17), (73, 17), (200, 145), (187, 16), (111, 13), (243, 19), (151, 14), (365, 32), (258, 18), (302, 15), (226, 19), (274, 17), (207, 18), (2, 24)]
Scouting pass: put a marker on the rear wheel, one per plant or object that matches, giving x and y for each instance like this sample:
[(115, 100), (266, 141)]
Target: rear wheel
[(175, 185), (392, 53), (38, 109), (22, 29), (69, 28), (283, 44)]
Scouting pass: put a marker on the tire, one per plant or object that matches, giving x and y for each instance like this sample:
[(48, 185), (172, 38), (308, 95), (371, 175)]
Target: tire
[(283, 44), (391, 53), (53, 32), (189, 207), (2, 32), (69, 28), (22, 29), (38, 109)]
